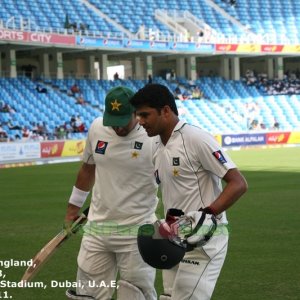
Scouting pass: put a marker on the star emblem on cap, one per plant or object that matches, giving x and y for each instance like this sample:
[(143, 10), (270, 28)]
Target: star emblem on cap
[(115, 105)]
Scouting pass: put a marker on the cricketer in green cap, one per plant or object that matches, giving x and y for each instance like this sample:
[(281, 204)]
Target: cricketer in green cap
[(118, 110)]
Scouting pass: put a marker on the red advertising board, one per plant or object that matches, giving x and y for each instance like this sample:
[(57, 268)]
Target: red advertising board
[(50, 38), (36, 37), (272, 48), (12, 35), (51, 149), (226, 47), (277, 137)]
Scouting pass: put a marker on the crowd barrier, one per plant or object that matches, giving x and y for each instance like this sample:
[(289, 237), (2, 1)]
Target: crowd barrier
[(31, 153)]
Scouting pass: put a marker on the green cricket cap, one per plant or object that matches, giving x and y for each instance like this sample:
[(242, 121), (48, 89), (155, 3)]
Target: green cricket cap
[(118, 110)]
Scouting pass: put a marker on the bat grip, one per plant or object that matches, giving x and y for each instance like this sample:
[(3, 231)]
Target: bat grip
[(76, 225), (86, 211)]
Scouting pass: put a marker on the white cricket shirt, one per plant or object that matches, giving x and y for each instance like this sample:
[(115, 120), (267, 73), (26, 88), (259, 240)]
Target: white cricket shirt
[(125, 190), (189, 168)]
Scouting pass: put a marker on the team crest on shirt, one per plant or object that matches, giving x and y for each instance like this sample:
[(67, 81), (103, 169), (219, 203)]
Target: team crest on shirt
[(175, 172), (219, 156), (134, 154), (101, 147), (138, 145), (176, 161)]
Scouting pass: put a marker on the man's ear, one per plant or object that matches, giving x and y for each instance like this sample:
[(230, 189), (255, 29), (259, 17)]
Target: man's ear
[(166, 110)]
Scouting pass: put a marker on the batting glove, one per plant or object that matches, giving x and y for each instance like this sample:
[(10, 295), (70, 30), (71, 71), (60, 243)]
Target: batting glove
[(203, 227)]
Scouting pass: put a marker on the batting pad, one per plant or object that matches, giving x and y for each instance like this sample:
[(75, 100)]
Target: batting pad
[(72, 295), (128, 291)]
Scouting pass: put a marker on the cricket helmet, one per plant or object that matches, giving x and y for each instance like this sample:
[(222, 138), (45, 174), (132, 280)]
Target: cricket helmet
[(157, 251)]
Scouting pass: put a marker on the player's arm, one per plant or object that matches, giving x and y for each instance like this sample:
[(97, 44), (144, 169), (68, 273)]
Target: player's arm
[(84, 183), (236, 185)]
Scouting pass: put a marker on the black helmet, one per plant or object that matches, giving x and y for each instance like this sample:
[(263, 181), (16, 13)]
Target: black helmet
[(157, 251)]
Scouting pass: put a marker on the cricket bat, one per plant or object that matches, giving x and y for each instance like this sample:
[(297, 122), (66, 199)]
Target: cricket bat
[(46, 252)]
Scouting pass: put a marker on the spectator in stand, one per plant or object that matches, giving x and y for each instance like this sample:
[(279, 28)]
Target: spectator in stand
[(186, 94), (41, 89), (79, 125), (116, 76), (150, 79), (141, 32), (191, 83), (2, 105), (26, 133), (197, 93), (3, 134), (276, 125), (42, 130), (75, 90), (200, 35), (34, 127), (60, 132), (172, 75), (11, 126), (68, 129), (178, 92), (83, 27), (73, 123), (6, 108), (80, 100), (250, 77), (263, 126)]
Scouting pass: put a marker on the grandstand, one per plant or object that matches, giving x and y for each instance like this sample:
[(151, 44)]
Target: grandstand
[(42, 34), (266, 21)]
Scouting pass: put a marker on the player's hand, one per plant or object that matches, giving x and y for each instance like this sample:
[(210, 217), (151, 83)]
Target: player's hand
[(170, 226), (203, 227), (70, 217), (67, 225)]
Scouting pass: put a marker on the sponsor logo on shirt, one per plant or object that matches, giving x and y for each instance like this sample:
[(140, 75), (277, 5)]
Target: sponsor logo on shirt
[(101, 147), (138, 145), (176, 161), (157, 177), (219, 156)]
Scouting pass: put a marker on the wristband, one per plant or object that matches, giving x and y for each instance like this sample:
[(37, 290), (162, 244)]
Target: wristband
[(78, 197)]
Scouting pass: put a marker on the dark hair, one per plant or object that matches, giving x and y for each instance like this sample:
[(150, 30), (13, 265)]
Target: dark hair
[(156, 96)]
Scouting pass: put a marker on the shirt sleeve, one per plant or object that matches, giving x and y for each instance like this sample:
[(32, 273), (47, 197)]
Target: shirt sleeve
[(88, 157), (211, 155)]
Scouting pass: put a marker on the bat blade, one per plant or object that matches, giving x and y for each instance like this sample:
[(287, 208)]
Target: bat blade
[(48, 250)]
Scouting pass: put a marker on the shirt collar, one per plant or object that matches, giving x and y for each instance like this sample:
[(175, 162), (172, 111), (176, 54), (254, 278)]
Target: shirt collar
[(179, 125)]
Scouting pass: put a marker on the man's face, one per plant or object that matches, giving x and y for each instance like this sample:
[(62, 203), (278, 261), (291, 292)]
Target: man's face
[(150, 119), (123, 131)]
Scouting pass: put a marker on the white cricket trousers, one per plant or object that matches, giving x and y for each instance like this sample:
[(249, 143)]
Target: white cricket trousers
[(195, 277), (101, 257)]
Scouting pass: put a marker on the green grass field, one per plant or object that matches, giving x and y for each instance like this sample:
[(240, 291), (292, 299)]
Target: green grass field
[(263, 258)]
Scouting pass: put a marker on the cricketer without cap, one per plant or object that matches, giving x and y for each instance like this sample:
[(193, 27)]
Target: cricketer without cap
[(189, 166), (117, 163)]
